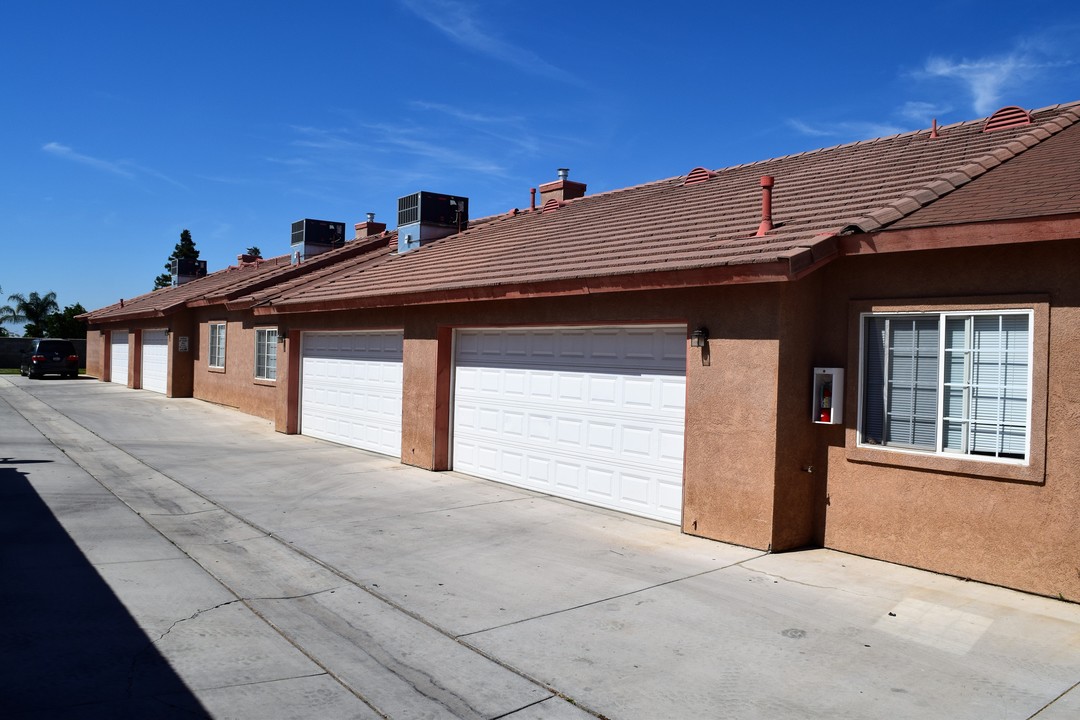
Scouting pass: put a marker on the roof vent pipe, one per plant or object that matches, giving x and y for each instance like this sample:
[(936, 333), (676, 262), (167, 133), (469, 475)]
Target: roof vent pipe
[(766, 225), (564, 173), (934, 135), (532, 198)]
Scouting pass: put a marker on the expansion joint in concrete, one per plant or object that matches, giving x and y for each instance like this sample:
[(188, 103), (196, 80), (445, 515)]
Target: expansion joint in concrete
[(610, 598)]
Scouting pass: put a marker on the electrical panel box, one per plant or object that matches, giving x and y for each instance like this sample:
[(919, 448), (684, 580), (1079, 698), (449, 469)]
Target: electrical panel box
[(828, 406)]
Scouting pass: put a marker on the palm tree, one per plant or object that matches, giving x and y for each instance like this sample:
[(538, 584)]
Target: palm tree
[(7, 315), (33, 310)]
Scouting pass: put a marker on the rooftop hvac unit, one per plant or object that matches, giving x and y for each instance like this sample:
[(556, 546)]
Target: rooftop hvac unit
[(311, 237), (185, 270), (425, 216)]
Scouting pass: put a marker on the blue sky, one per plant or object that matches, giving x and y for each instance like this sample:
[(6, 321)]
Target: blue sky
[(126, 122)]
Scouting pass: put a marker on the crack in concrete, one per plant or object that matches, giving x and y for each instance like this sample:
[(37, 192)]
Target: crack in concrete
[(607, 599), (799, 582), (185, 514)]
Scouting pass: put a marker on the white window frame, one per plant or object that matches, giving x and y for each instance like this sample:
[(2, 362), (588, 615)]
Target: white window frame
[(216, 346), (942, 382), (266, 353)]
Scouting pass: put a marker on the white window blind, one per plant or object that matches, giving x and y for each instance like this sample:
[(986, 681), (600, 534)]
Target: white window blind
[(217, 345), (947, 382), (266, 353)]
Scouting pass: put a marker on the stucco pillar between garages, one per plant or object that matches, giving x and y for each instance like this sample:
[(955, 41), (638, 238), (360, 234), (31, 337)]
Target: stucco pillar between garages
[(287, 405), (182, 345), (97, 355), (425, 400), (730, 462), (800, 472)]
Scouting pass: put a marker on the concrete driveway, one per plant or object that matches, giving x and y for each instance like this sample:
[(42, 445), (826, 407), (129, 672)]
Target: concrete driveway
[(171, 558)]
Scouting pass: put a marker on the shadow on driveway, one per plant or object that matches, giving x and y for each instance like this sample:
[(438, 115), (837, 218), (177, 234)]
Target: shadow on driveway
[(68, 646)]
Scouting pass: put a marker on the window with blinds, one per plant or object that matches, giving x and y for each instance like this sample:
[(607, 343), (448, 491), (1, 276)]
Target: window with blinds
[(950, 383), (216, 355), (266, 353)]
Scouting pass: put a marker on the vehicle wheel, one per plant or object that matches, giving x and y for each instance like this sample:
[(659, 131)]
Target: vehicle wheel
[(33, 375)]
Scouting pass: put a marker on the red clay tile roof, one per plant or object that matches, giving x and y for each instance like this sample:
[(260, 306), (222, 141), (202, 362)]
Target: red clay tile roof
[(1045, 180), (221, 286), (670, 233), (666, 230), (166, 300)]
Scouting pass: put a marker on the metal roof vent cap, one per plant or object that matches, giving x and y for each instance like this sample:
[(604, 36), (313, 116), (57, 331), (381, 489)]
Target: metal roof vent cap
[(767, 182), (1007, 117)]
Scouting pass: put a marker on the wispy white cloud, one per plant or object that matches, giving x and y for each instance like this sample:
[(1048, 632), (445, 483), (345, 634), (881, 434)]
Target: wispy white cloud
[(123, 168), (458, 21), (845, 130), (511, 131), (805, 128), (988, 79), (465, 115), (65, 152), (922, 113), (419, 142)]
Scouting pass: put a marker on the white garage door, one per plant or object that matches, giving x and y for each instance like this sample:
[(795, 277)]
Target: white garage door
[(590, 414), (155, 360), (118, 366), (351, 389)]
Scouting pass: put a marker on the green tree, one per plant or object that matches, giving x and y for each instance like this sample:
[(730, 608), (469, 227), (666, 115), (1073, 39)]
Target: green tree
[(33, 309), (64, 325), (184, 250), (254, 251)]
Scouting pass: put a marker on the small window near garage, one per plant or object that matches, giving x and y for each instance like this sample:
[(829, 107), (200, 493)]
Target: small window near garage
[(266, 353), (217, 345), (955, 384)]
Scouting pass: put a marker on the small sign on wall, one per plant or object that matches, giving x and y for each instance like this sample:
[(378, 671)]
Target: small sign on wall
[(182, 343)]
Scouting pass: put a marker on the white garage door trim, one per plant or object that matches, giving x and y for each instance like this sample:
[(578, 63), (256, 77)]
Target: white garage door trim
[(595, 414), (155, 361), (350, 389), (119, 354)]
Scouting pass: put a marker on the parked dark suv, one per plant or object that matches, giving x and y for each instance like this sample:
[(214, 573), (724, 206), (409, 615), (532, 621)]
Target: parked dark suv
[(50, 357)]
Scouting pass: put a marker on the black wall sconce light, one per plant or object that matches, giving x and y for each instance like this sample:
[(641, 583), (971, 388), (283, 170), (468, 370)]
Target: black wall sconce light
[(282, 335), (700, 337)]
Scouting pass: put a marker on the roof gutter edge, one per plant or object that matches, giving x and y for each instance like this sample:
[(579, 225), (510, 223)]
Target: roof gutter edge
[(778, 271)]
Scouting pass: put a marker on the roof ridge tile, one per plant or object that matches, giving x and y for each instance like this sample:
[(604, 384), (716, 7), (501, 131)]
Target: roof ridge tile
[(973, 168)]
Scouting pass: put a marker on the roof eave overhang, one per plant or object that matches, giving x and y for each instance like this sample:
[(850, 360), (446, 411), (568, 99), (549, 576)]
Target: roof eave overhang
[(734, 274), (975, 234), (126, 317)]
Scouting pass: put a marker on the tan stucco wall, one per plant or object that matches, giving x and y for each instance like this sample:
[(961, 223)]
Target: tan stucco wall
[(96, 353), (799, 477), (1018, 534), (235, 385)]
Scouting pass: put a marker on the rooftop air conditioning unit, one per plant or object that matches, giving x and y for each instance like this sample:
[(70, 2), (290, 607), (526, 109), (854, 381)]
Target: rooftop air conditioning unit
[(311, 237), (185, 270), (426, 216)]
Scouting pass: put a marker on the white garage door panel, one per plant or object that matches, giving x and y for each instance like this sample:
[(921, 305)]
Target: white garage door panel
[(351, 389), (155, 360), (595, 415), (118, 366)]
